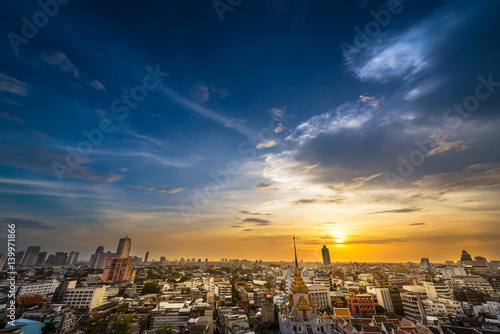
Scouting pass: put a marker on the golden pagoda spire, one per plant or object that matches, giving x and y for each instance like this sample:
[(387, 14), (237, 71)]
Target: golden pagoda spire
[(298, 284)]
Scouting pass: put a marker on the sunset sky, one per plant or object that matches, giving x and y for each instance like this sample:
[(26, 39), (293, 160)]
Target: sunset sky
[(256, 122)]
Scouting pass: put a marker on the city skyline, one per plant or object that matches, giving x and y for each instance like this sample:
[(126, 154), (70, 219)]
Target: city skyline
[(370, 127)]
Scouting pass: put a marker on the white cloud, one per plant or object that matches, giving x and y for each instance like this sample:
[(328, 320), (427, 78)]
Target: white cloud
[(97, 85), (60, 61), (267, 144), (389, 56), (199, 93), (350, 115), (13, 86)]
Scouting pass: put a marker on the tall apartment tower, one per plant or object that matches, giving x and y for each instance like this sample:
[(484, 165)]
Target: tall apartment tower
[(326, 255), (30, 256), (124, 245), (73, 257), (146, 257)]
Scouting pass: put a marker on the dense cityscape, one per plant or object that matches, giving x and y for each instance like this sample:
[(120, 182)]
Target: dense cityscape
[(114, 292), (249, 167)]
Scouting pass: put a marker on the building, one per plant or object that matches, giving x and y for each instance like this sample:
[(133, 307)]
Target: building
[(40, 259), (30, 256), (146, 257), (411, 298), (124, 246), (473, 282), (362, 304), (452, 270), (267, 309), (320, 296), (73, 257), (437, 288), (119, 269), (86, 298), (58, 296), (39, 288), (326, 255), (94, 256), (465, 256), (223, 291), (60, 258), (383, 297), (425, 264), (300, 314)]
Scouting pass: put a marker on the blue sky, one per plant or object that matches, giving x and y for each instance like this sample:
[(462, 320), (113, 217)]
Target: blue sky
[(335, 124)]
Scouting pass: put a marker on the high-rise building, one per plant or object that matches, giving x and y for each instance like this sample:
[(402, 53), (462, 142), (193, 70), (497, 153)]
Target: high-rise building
[(73, 257), (60, 259), (101, 259), (465, 256), (163, 259), (425, 264), (93, 258), (146, 257), (119, 269), (326, 255), (50, 259), (41, 258), (19, 256), (30, 256), (124, 246), (383, 297)]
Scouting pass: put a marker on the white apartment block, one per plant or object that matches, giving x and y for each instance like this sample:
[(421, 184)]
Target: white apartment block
[(383, 297), (86, 297), (39, 288), (473, 282), (320, 296), (223, 291)]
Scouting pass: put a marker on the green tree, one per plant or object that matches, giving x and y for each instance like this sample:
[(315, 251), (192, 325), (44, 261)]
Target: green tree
[(357, 326), (380, 309), (94, 326), (151, 287), (50, 327), (123, 325), (166, 328)]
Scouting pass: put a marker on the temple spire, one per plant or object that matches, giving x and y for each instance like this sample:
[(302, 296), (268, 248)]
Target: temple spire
[(298, 284)]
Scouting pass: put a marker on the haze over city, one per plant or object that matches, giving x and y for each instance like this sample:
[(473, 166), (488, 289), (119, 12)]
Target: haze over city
[(204, 132)]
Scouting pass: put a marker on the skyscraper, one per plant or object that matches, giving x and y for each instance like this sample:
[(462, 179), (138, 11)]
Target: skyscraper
[(326, 255), (30, 256), (146, 257), (425, 264), (124, 245), (73, 257), (41, 257), (93, 258), (465, 256), (60, 258)]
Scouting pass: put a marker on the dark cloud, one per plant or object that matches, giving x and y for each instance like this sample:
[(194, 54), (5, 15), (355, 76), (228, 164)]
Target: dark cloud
[(479, 176), (262, 185), (245, 212), (404, 210), (26, 223), (331, 200), (417, 224), (257, 221), (236, 226), (247, 230)]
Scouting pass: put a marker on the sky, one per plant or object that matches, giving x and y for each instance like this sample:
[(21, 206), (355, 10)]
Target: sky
[(220, 129)]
